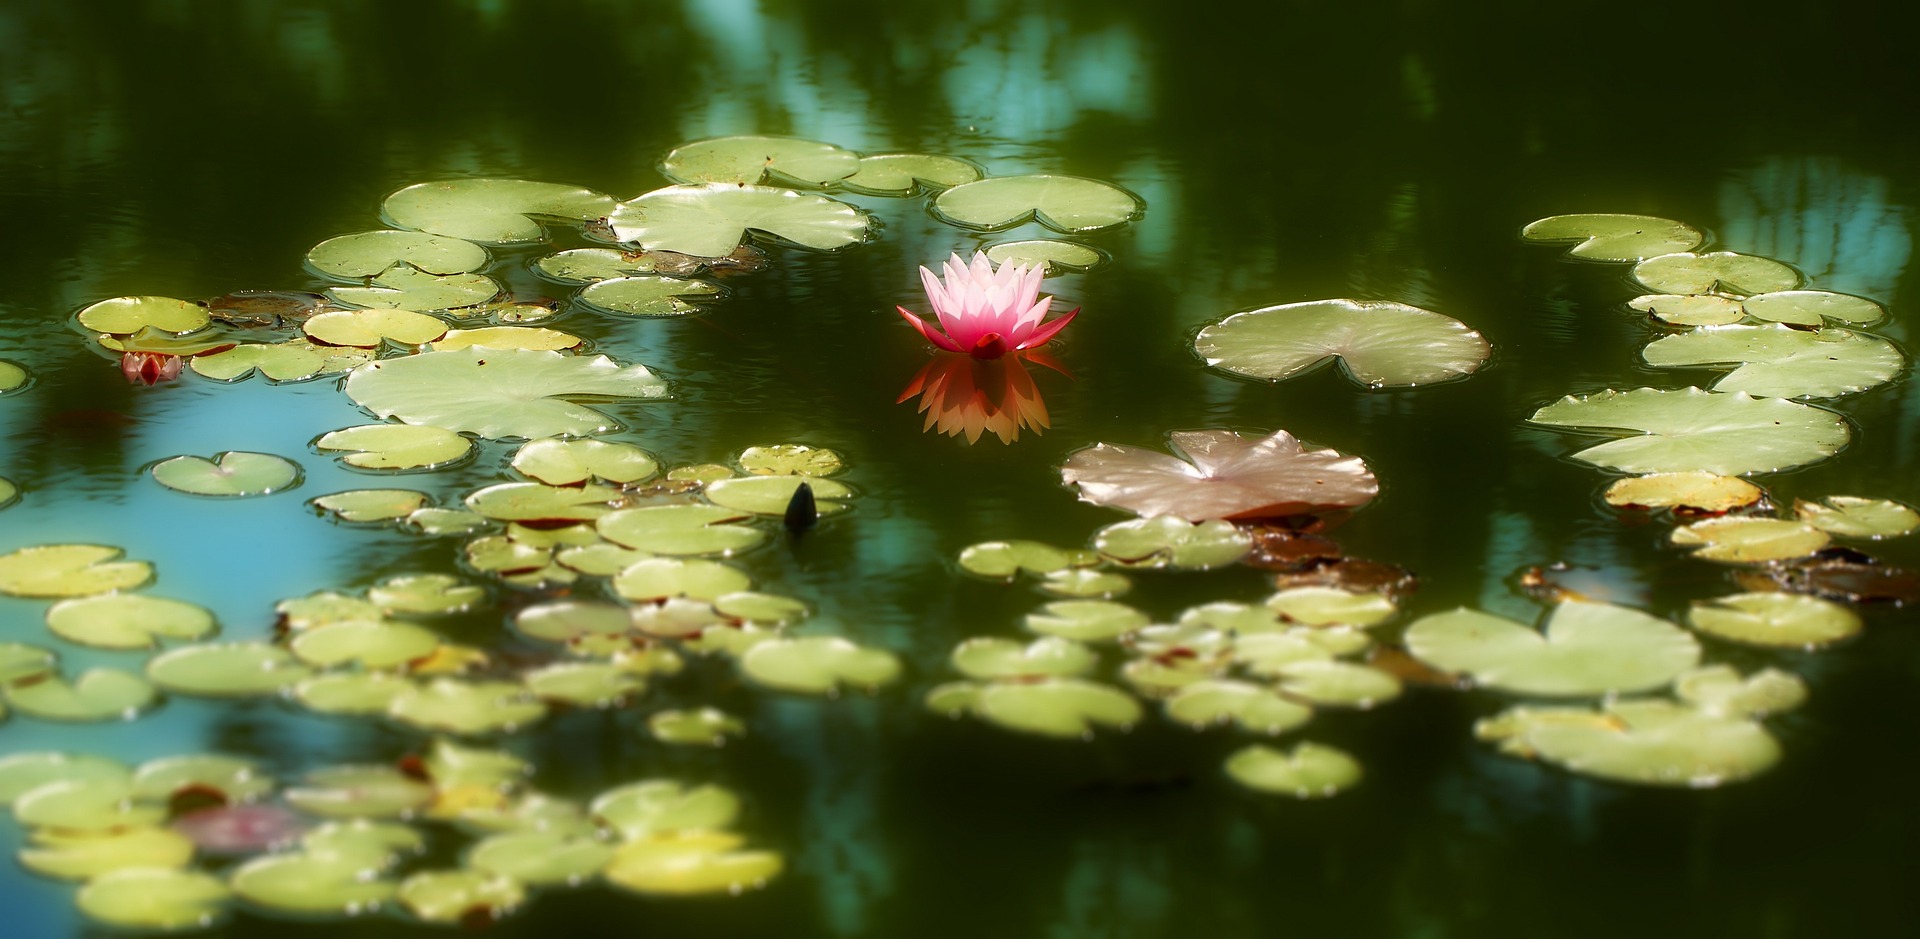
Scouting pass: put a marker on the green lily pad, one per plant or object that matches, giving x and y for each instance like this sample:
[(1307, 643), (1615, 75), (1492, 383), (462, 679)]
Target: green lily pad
[(680, 529), (902, 174), (460, 896), (1171, 541), (770, 495), (1725, 272), (586, 265), (528, 338), (372, 505), (542, 504), (1750, 540), (499, 393), (441, 521), (368, 253), (818, 665), (1379, 344), (749, 159), (648, 295), (706, 727), (1723, 692), (1056, 256), (1690, 309), (449, 764), (502, 556), (1696, 489), (305, 882), (990, 657), (568, 620), (1854, 517), (403, 288), (1053, 707), (662, 578), (765, 609), (325, 606), (98, 694), (1086, 620), (661, 806), (1813, 308), (91, 854), (710, 220), (369, 329), (154, 898), (1241, 619), (1308, 771), (491, 211), (791, 459), (462, 707), (232, 473), (700, 473), (371, 845), (1607, 237), (236, 779), (1783, 362), (584, 684), (397, 446), (1085, 583), (1587, 649), (161, 343), (1263, 654), (233, 669), (128, 315), (690, 863), (7, 492), (1253, 707), (21, 773), (1341, 684), (351, 692), (69, 570), (359, 792), (1784, 620), (12, 377), (294, 360), (541, 858), (1647, 742), (85, 805), (1328, 606), (1063, 203), (570, 462), (1003, 559), (20, 661), (426, 595), (127, 621), (529, 811), (374, 645), (1690, 429)]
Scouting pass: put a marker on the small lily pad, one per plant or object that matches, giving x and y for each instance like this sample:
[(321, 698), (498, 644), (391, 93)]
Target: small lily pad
[(586, 265), (663, 578), (790, 459), (359, 792), (1750, 540), (325, 606), (710, 220), (128, 315), (98, 694), (1056, 256), (499, 393), (570, 462), (1053, 707), (154, 898), (818, 665), (1854, 517), (537, 503), (371, 845), (750, 159), (1725, 272), (765, 609), (368, 253), (1721, 691), (491, 211), (294, 360), (648, 295), (1063, 203), (690, 863), (1253, 707), (1085, 583), (462, 707), (1588, 649), (1696, 489), (706, 727), (403, 288), (85, 805), (1171, 541), (662, 806), (1341, 684), (1609, 237), (1327, 606), (460, 896), (397, 446), (372, 505), (1785, 620), (127, 621), (21, 773), (234, 669), (901, 174), (1780, 361), (12, 377), (990, 657), (1003, 559), (305, 882), (21, 661), (1647, 742), (374, 645), (426, 595), (1086, 620), (770, 495), (584, 684), (1690, 309), (1308, 771), (236, 779), (351, 692), (1813, 308), (541, 858), (233, 473), (368, 329), (1690, 429), (1380, 344), (69, 570)]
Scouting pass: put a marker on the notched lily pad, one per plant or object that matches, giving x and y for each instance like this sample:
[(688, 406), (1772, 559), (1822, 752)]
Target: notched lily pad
[(818, 665), (990, 657), (127, 621), (1084, 582), (1855, 517), (1647, 742), (1785, 620), (690, 863), (790, 459), (903, 174), (499, 393), (1054, 707), (460, 896), (397, 446), (1226, 475), (154, 898), (1780, 361), (749, 159), (369, 329), (1813, 308), (125, 316), (491, 211), (310, 883), (706, 727), (1694, 430), (1690, 309), (425, 595), (98, 694), (1725, 272), (1003, 559), (1063, 203), (69, 570), (648, 295), (232, 473), (1587, 649), (234, 669), (463, 707), (710, 220), (403, 288), (770, 495), (541, 858), (1328, 606), (1170, 541), (1057, 257), (532, 338), (1750, 540), (1610, 237), (1253, 707), (1380, 344), (290, 361), (373, 645), (665, 578), (368, 253), (1308, 771), (1086, 620)]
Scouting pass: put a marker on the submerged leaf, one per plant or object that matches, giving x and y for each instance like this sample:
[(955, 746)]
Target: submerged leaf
[(499, 393), (1379, 343), (1690, 429), (1230, 477)]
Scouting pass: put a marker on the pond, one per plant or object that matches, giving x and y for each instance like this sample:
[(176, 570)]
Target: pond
[(1308, 152)]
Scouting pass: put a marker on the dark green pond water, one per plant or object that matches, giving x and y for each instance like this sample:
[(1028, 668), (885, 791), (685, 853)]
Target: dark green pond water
[(1376, 151)]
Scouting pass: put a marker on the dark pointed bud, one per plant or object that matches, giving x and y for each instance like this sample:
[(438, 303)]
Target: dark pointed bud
[(801, 512)]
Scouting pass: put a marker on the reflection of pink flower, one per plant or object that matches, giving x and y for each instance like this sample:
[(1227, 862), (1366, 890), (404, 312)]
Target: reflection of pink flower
[(962, 396), (149, 368), (987, 313)]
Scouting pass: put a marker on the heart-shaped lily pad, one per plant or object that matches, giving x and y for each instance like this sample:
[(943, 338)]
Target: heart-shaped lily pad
[(368, 329), (707, 727), (680, 529), (127, 621), (541, 858), (586, 265), (1308, 771), (1003, 559), (1063, 203), (1648, 742), (770, 495), (425, 595), (661, 806), (235, 473), (1775, 619), (990, 657), (1170, 541), (1252, 707), (1723, 692), (499, 393), (99, 694), (647, 295), (86, 805), (233, 669), (368, 253), (1086, 620), (294, 360), (541, 504), (21, 773), (818, 665), (462, 707), (233, 778), (1813, 308), (92, 854), (1726, 272), (1750, 540), (791, 459), (710, 220), (1690, 309), (491, 211), (374, 645), (901, 174), (1690, 429), (351, 692), (1327, 606), (146, 898), (663, 578), (1054, 707), (570, 462), (1608, 237), (690, 863), (1783, 362), (1084, 582), (1226, 475), (310, 883), (1707, 492), (128, 315), (1587, 649), (372, 505), (403, 288), (460, 896), (69, 570), (21, 661), (1855, 517), (584, 684), (1379, 344), (749, 159), (1056, 256), (397, 446)]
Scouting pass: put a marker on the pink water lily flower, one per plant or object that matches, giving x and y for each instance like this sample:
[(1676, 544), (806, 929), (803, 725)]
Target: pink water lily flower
[(987, 313)]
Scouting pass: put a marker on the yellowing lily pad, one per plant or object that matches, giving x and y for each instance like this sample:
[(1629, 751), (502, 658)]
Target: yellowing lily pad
[(499, 393), (1787, 620), (351, 692), (710, 220), (86, 805), (662, 806), (368, 253), (541, 858), (818, 665), (1171, 541), (535, 338), (1609, 237), (154, 898), (1063, 203), (397, 446), (21, 661), (127, 621), (1696, 489), (749, 159), (1750, 540), (1780, 361), (790, 459), (233, 473), (707, 727), (902, 174), (367, 329), (12, 377), (648, 295), (1588, 649), (460, 896), (1379, 344), (99, 694), (1690, 429), (425, 595), (374, 645), (491, 211), (21, 773), (690, 863), (370, 791), (294, 360), (1725, 272), (1647, 742), (128, 315), (1690, 309), (1854, 517), (310, 883), (467, 707), (233, 669), (1308, 771), (1086, 620), (69, 570)]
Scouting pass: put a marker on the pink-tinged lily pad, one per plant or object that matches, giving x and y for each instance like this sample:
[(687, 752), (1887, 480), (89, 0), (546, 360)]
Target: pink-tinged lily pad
[(238, 830), (1226, 475)]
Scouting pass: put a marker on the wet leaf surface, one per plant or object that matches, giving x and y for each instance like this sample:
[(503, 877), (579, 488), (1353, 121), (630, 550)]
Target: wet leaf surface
[(1226, 475)]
